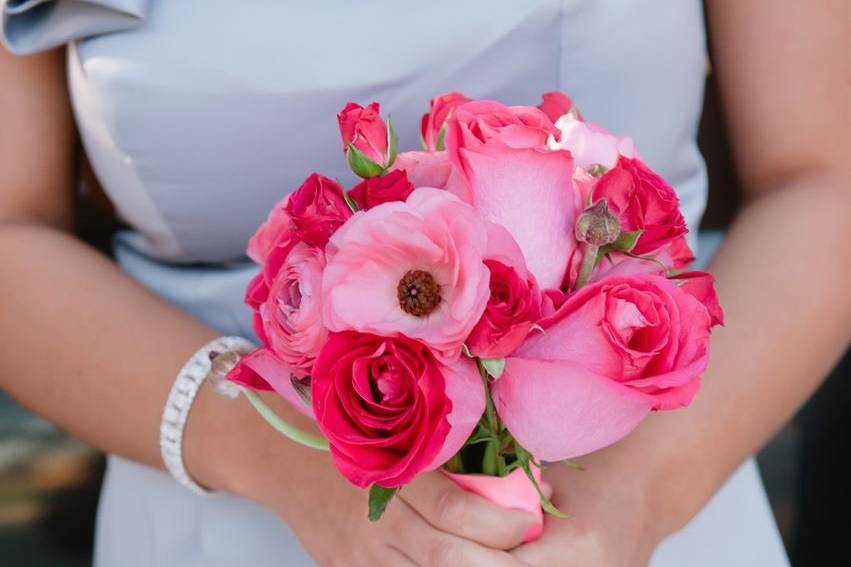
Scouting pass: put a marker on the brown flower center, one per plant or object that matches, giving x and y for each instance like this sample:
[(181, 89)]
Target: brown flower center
[(418, 293)]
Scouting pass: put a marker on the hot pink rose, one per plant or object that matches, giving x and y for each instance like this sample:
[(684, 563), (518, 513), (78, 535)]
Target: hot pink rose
[(514, 180), (642, 200), (364, 128), (556, 104), (286, 305), (316, 209), (432, 122), (589, 144), (390, 409), (614, 351), (412, 268), (263, 371), (392, 186)]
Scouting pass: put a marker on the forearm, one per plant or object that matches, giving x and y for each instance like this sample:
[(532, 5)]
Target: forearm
[(783, 277), (91, 350)]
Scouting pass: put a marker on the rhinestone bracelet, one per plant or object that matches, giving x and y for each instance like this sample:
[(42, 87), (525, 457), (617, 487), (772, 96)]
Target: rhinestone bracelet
[(186, 385)]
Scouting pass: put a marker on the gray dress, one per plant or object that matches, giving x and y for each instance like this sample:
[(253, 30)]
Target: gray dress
[(198, 115)]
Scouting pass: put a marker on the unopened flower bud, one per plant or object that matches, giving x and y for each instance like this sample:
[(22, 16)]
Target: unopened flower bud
[(597, 226)]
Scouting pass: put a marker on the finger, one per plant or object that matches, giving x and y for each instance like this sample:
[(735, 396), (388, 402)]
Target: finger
[(451, 509), (398, 558)]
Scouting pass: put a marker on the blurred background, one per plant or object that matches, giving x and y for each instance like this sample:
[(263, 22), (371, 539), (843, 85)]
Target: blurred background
[(49, 483)]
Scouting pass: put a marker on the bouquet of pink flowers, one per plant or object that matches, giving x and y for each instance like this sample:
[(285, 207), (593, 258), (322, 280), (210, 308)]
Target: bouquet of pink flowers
[(513, 295)]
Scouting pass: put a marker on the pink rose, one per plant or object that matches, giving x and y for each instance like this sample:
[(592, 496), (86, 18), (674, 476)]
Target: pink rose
[(364, 128), (614, 351), (514, 180), (392, 186), (432, 122), (317, 209), (412, 268), (263, 371), (642, 200), (286, 305), (556, 104), (589, 144), (390, 409)]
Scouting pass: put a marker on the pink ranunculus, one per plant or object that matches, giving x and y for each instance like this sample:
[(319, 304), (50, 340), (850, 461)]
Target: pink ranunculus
[(278, 230), (589, 144), (614, 351), (364, 128), (317, 209), (514, 180), (642, 200), (390, 409), (412, 268), (286, 304), (392, 186), (441, 108), (556, 104)]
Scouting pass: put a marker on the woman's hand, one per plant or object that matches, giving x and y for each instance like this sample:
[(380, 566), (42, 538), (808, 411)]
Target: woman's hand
[(615, 516), (431, 522)]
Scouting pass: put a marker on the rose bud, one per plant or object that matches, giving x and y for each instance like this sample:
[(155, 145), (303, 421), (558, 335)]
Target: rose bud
[(392, 186), (432, 128), (597, 226), (368, 142)]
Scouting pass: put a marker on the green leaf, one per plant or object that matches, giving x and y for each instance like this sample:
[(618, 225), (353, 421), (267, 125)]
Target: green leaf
[(379, 497), (392, 144), (361, 164), (440, 143), (525, 458), (350, 202), (626, 241), (493, 366)]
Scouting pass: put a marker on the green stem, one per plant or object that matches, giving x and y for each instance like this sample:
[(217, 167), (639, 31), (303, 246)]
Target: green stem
[(589, 260), (455, 464), (287, 429), (492, 462)]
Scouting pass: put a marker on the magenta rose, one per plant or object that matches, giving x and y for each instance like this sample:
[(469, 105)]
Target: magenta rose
[(371, 192), (317, 209), (287, 315), (364, 128), (514, 306), (614, 351), (556, 104), (389, 409), (513, 180), (432, 122), (642, 200)]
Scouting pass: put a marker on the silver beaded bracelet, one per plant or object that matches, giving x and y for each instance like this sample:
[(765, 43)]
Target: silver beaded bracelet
[(216, 357)]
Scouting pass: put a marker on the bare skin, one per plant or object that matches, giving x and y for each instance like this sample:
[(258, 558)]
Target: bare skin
[(84, 345)]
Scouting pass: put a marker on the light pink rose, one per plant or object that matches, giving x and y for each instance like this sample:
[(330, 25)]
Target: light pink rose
[(390, 409), (614, 351), (589, 144), (412, 268), (514, 180), (428, 169), (287, 315)]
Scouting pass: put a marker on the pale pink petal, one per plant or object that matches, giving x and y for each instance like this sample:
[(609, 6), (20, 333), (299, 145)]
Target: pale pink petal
[(262, 370), (560, 410), (530, 193)]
